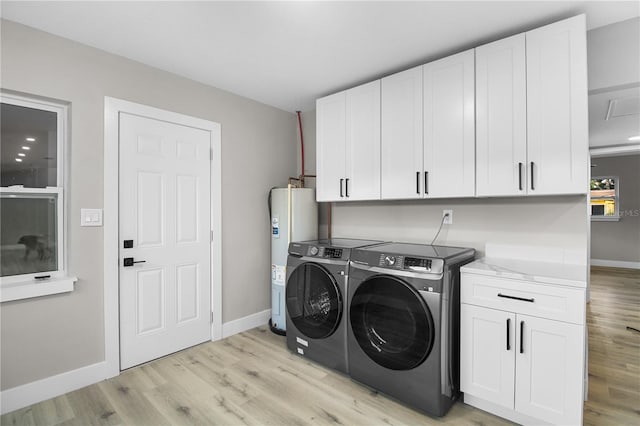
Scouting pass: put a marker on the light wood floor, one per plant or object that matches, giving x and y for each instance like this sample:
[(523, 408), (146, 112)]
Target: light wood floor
[(252, 379)]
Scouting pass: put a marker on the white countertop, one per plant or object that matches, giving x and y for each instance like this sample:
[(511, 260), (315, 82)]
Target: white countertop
[(540, 272)]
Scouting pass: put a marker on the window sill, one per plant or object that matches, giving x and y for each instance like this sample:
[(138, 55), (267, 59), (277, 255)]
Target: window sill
[(605, 218), (29, 289)]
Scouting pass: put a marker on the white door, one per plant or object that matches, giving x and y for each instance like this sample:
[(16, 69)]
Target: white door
[(557, 118), (330, 147), (165, 301), (401, 134), (501, 118), (487, 354), (549, 370), (449, 126), (362, 181)]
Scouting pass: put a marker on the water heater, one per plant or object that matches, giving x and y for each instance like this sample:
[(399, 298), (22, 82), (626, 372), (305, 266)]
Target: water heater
[(294, 217)]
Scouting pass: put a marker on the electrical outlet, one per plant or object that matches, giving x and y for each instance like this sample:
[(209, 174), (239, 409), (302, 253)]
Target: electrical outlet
[(449, 219)]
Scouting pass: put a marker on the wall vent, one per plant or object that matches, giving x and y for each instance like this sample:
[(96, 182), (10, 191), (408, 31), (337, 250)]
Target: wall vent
[(623, 107)]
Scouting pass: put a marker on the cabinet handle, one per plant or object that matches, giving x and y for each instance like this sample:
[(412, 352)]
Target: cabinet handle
[(418, 183), (341, 195), (346, 187), (508, 329), (521, 337), (426, 182), (524, 299), (520, 176), (532, 187)]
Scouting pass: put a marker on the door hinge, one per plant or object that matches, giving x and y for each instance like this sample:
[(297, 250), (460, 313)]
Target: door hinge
[(211, 236), (211, 317), (210, 154)]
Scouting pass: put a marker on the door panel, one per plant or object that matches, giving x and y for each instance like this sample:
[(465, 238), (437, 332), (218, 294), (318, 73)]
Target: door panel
[(501, 127), (401, 140), (449, 126), (557, 108), (165, 208), (549, 370), (330, 143), (487, 354)]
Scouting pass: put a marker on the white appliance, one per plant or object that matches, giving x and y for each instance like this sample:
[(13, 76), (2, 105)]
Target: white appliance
[(294, 217)]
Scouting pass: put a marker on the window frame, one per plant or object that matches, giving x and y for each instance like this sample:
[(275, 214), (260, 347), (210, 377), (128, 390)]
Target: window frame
[(616, 216), (61, 110)]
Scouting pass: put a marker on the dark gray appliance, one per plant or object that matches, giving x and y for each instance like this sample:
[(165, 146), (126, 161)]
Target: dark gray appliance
[(316, 290), (403, 332)]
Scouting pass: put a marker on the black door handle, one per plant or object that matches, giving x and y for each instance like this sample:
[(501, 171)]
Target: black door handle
[(532, 187), (521, 337), (341, 195), (418, 183), (128, 261), (346, 187), (520, 176), (508, 327), (426, 182)]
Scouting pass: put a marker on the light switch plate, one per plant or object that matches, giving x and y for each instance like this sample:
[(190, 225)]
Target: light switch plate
[(90, 217)]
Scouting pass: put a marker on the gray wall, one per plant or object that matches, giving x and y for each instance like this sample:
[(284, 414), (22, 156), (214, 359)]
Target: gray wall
[(50, 335), (613, 54), (619, 241)]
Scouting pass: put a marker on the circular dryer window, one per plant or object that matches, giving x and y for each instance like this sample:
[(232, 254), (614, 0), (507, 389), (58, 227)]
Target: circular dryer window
[(391, 323), (314, 302)]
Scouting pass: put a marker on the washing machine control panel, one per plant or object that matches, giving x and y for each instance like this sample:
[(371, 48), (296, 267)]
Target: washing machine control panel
[(324, 252), (408, 263)]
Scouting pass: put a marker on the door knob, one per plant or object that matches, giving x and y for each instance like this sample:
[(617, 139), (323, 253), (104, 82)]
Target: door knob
[(128, 261)]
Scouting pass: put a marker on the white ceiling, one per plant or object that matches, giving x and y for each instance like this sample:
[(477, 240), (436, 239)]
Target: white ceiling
[(287, 54)]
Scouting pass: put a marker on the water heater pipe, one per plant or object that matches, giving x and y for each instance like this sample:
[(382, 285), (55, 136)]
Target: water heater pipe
[(289, 186), (301, 148)]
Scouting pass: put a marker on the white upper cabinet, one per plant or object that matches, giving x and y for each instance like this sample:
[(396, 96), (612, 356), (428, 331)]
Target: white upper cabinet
[(531, 112), (330, 146), (401, 146), (449, 127), (501, 126), (557, 118), (348, 144), (362, 179)]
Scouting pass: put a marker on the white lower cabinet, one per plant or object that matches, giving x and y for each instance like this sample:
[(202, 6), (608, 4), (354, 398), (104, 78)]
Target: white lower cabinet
[(522, 367)]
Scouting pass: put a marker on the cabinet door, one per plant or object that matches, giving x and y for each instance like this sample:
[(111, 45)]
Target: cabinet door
[(401, 146), (362, 179), (330, 147), (549, 371), (501, 127), (487, 354), (557, 108), (449, 126)]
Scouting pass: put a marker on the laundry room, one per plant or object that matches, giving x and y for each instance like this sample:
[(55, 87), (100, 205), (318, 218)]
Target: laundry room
[(319, 212)]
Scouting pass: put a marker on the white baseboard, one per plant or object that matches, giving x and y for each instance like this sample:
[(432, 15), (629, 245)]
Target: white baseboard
[(615, 263), (246, 323), (40, 390)]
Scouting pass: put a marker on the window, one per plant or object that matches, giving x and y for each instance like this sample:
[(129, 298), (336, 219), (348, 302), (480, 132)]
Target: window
[(31, 192), (604, 198)]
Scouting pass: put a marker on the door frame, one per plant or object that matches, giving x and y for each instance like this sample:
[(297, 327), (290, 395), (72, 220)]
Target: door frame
[(112, 109)]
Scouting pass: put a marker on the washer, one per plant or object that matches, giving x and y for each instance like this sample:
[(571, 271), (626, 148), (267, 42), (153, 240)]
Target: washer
[(403, 328), (316, 305)]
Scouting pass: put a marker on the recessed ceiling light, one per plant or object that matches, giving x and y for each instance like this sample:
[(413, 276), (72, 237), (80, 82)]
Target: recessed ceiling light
[(31, 139), (19, 160), (26, 147), (21, 154), (635, 138)]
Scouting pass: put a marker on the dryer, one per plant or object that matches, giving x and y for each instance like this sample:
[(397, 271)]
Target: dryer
[(403, 328), (316, 290)]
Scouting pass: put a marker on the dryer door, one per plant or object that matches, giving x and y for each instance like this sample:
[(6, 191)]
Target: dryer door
[(391, 322), (314, 301)]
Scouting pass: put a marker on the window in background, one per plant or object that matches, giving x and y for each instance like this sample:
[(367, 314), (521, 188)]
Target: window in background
[(604, 198), (31, 188)]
